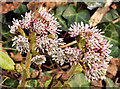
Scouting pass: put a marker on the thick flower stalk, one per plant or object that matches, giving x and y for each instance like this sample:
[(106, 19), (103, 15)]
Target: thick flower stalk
[(95, 50), (42, 38)]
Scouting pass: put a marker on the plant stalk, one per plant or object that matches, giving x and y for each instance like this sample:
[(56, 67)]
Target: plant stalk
[(26, 71)]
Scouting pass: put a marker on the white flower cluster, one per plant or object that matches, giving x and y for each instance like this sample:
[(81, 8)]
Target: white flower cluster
[(43, 26), (39, 59), (21, 43), (96, 55)]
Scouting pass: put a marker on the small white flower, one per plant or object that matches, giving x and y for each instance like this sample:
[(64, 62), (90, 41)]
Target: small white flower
[(21, 43), (15, 26), (72, 54), (39, 59), (27, 20)]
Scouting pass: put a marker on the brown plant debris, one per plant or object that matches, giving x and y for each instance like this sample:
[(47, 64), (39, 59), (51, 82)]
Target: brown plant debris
[(99, 14), (43, 79), (6, 7), (113, 67), (97, 83), (17, 57)]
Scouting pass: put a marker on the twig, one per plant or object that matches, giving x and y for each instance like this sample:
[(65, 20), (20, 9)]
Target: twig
[(7, 87), (52, 63), (9, 48), (117, 81), (115, 21), (63, 46), (58, 66), (47, 66)]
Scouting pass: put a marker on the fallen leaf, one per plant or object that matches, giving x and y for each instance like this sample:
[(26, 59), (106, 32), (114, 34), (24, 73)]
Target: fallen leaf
[(99, 14), (34, 74), (114, 6), (43, 79), (113, 67), (6, 7), (17, 57), (36, 5), (33, 6), (64, 76), (97, 83)]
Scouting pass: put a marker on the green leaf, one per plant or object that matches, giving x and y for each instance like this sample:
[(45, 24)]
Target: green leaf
[(6, 62), (115, 51), (4, 25), (78, 80), (83, 15), (21, 9), (111, 34), (11, 83), (110, 83), (93, 5), (59, 12), (48, 82), (110, 16), (72, 16)]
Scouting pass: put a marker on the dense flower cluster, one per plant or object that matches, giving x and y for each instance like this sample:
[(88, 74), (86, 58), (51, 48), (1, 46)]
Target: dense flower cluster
[(21, 43), (96, 55), (93, 53), (43, 26)]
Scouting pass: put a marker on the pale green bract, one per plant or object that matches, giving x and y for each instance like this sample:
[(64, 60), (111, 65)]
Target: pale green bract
[(6, 62)]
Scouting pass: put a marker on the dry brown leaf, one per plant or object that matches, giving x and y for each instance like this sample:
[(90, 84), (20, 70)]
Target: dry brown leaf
[(6, 7), (114, 6), (64, 76), (36, 5), (17, 57), (3, 49), (33, 6), (43, 79), (113, 67), (97, 83), (98, 15)]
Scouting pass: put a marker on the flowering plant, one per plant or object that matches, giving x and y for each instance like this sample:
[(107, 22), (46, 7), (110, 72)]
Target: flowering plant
[(92, 51)]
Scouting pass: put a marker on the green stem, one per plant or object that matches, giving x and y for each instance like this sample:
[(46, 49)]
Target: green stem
[(26, 71), (28, 60)]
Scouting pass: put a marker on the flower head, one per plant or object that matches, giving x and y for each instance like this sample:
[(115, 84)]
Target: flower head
[(16, 25), (96, 50), (21, 43), (39, 59)]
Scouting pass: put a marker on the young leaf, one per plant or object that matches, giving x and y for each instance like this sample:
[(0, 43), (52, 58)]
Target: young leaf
[(21, 9), (6, 62), (110, 83), (81, 81), (72, 16), (48, 82)]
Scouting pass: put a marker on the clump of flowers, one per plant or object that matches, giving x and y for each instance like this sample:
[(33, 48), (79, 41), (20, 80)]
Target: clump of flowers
[(92, 52), (44, 31), (95, 50)]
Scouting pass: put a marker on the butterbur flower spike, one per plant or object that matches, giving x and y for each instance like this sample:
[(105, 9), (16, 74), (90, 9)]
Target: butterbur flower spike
[(97, 53), (21, 43)]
